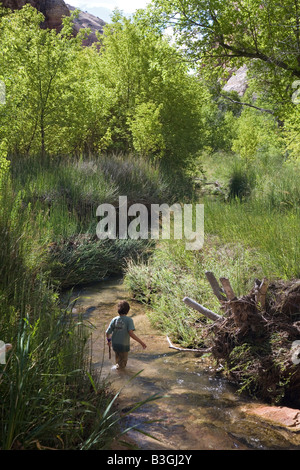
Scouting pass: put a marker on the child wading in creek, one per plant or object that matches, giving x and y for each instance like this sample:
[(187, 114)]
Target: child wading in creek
[(119, 332)]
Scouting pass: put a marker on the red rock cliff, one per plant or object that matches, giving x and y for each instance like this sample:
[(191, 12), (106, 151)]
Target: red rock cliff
[(53, 10)]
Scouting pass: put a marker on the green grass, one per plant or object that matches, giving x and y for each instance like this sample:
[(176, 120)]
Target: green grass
[(47, 236), (80, 185), (273, 234), (64, 196), (251, 236), (172, 273)]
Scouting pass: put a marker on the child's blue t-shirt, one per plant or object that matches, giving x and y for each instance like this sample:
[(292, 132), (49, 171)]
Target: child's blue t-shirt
[(119, 328)]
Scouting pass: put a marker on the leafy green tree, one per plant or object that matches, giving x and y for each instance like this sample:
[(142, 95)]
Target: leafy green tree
[(4, 163), (220, 36), (145, 72), (34, 65), (132, 92), (247, 141), (146, 129), (292, 134), (225, 32)]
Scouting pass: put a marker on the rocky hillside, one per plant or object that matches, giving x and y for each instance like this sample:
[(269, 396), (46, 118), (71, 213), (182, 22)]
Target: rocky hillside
[(238, 81), (55, 10), (86, 20)]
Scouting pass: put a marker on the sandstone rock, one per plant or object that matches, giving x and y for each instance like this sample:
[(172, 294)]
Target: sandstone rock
[(53, 10), (281, 416), (238, 81), (86, 20)]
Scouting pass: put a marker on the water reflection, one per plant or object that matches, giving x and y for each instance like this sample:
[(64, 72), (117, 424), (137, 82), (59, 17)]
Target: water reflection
[(199, 409)]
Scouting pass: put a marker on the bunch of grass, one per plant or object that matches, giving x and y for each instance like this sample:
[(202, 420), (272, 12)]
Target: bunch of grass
[(241, 181), (83, 184), (84, 259), (144, 181), (64, 196), (76, 184), (243, 241), (279, 187)]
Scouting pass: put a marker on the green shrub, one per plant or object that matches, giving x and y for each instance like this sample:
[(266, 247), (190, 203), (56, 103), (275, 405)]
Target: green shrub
[(241, 182)]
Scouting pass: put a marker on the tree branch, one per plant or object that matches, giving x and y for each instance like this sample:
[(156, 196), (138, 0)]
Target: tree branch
[(247, 104), (258, 55), (205, 350), (217, 290), (208, 313)]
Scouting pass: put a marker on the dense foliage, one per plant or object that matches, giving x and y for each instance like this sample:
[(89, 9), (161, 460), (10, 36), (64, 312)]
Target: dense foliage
[(130, 92), (263, 35)]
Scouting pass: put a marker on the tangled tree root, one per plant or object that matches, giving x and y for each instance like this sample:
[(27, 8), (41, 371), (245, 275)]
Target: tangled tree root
[(257, 339)]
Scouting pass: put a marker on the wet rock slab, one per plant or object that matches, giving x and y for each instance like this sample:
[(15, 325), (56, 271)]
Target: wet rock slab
[(279, 416)]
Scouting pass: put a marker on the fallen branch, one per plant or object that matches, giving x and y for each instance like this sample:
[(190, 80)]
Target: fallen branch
[(208, 313), (187, 349), (261, 292), (227, 288), (217, 290)]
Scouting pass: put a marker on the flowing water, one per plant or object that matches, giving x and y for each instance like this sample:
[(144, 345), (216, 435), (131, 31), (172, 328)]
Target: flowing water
[(198, 409)]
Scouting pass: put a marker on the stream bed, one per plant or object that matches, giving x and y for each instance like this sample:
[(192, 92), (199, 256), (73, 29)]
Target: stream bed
[(198, 409)]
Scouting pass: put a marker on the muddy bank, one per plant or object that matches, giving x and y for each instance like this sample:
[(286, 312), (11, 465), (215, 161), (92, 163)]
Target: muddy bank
[(199, 410)]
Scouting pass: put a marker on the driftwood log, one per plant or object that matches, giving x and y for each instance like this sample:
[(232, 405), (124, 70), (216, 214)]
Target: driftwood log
[(217, 290), (205, 311)]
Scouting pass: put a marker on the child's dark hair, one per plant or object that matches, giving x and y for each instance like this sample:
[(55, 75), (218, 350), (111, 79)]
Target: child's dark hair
[(123, 307)]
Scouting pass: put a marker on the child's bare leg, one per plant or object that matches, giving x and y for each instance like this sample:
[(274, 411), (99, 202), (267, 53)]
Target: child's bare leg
[(121, 359)]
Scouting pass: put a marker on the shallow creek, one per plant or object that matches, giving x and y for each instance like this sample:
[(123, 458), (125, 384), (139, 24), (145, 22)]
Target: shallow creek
[(198, 409)]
